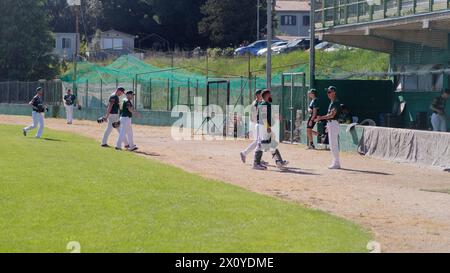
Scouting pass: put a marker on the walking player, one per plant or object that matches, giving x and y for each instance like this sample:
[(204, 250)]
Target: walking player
[(265, 137), (38, 113), (126, 130), (313, 113), (112, 115), (334, 110), (254, 122), (69, 103)]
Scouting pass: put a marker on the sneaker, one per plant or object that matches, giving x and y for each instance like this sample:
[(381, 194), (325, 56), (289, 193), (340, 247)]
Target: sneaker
[(243, 157), (334, 167), (285, 162), (311, 147), (264, 163), (282, 165), (127, 146), (118, 149), (133, 149), (24, 132), (105, 146), (259, 167)]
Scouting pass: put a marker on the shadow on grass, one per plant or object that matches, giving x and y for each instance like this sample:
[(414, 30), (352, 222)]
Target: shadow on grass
[(53, 139)]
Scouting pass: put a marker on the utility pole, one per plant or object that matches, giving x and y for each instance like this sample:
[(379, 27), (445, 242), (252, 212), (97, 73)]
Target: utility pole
[(269, 45), (257, 19), (312, 49), (76, 4)]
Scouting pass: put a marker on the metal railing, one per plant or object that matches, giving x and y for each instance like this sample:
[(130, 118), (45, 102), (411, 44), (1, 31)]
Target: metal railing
[(17, 92), (342, 12)]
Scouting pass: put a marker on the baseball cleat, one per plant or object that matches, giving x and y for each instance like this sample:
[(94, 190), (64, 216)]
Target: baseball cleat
[(264, 163), (334, 167), (311, 147), (259, 167), (127, 146), (133, 149), (282, 165), (243, 157), (105, 146), (118, 149), (24, 132)]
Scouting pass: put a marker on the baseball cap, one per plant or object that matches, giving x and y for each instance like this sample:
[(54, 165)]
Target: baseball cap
[(265, 91), (333, 88), (130, 93), (39, 89), (258, 92), (120, 88), (313, 91)]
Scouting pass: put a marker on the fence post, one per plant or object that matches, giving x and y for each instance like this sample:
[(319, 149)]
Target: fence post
[(189, 93), (17, 91), (101, 93), (168, 94), (87, 93), (8, 98), (150, 98)]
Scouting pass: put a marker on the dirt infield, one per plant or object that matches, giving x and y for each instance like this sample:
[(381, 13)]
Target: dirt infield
[(386, 198)]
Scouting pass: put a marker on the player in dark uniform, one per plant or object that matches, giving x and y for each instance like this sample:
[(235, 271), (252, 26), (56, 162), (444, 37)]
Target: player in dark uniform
[(313, 113), (37, 103), (112, 114), (126, 130), (439, 118), (333, 127), (69, 103)]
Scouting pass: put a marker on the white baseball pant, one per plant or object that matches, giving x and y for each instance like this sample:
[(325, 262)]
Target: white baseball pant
[(69, 113), (333, 136), (252, 145), (112, 118), (125, 133), (38, 119)]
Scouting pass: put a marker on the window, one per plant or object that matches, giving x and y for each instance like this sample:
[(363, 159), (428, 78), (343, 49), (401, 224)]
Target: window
[(112, 43), (288, 20), (306, 20), (66, 43)]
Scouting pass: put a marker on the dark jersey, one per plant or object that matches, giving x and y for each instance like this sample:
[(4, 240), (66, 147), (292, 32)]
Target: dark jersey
[(438, 103), (265, 113), (69, 99), (125, 112), (314, 104), (335, 105), (38, 104), (115, 101)]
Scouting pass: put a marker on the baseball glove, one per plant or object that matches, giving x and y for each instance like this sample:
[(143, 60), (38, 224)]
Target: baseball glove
[(116, 124), (79, 107), (101, 120), (41, 108)]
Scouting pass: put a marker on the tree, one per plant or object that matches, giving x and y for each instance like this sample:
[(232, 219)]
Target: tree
[(26, 42), (229, 22), (178, 21)]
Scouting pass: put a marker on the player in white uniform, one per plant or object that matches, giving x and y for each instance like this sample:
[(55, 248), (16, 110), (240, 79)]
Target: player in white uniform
[(38, 113), (112, 115), (266, 140), (333, 127), (252, 146), (69, 104), (126, 129)]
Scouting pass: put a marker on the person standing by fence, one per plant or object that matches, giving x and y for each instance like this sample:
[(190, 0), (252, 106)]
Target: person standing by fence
[(439, 118), (313, 111), (69, 103), (37, 103), (333, 127)]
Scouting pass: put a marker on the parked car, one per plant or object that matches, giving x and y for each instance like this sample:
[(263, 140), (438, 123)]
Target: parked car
[(263, 51), (253, 48), (302, 44), (323, 46)]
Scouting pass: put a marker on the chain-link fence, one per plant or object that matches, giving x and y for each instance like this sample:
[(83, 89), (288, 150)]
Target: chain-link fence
[(22, 92)]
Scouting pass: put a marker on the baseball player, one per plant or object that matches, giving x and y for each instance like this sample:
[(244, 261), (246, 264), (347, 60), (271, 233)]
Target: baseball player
[(252, 146), (112, 115), (439, 118), (38, 113), (126, 130), (69, 103), (334, 110), (265, 137), (313, 113)]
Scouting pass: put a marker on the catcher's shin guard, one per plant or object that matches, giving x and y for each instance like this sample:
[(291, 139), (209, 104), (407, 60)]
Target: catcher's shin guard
[(258, 156), (277, 156)]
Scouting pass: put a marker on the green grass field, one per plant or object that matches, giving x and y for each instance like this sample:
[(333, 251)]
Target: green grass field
[(67, 188)]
